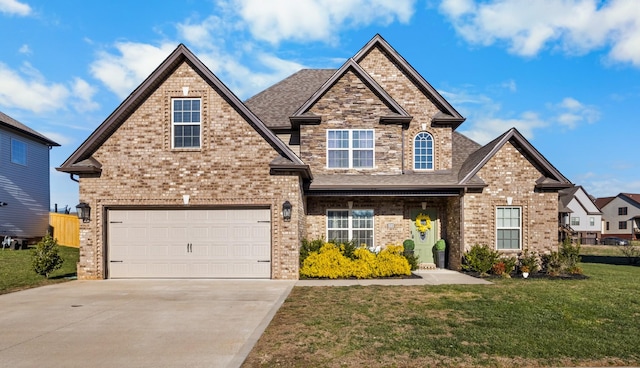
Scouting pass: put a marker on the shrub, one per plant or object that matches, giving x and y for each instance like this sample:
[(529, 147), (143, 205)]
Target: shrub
[(45, 258), (570, 254), (498, 268), (309, 246), (441, 245), (553, 263), (529, 260), (412, 259), (330, 261), (509, 264), (409, 245), (632, 252), (480, 258), (564, 261)]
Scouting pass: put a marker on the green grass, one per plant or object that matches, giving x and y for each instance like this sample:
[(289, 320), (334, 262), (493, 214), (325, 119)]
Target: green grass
[(16, 272), (515, 322)]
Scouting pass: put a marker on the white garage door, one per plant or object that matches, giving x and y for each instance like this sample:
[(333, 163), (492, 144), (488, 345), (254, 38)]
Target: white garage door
[(222, 243)]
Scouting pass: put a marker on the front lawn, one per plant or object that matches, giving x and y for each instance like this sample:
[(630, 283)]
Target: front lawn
[(16, 272), (514, 322)]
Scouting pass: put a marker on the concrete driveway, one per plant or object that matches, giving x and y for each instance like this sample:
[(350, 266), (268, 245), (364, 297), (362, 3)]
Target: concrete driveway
[(137, 323)]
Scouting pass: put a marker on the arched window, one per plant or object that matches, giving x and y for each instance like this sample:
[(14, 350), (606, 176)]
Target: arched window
[(423, 151)]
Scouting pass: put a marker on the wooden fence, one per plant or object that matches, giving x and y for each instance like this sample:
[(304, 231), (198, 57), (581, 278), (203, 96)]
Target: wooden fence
[(65, 228)]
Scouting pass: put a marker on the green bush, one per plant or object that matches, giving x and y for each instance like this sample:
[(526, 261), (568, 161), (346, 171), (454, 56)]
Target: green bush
[(412, 258), (564, 261), (529, 260), (480, 258), (509, 264), (441, 245), (632, 252), (409, 245), (45, 258)]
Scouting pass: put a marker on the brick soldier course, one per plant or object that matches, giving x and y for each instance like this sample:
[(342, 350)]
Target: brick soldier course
[(129, 162)]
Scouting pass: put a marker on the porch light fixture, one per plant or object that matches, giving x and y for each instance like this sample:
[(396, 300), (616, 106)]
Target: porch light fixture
[(84, 212), (286, 211)]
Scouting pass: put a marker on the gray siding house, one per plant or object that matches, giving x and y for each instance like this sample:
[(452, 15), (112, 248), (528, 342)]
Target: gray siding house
[(621, 215), (579, 216), (24, 180)]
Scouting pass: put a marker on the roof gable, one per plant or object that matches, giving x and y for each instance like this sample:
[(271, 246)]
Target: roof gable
[(13, 124), (400, 115), (81, 160), (447, 115), (552, 178)]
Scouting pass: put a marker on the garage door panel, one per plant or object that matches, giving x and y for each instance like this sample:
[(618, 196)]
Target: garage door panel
[(229, 243)]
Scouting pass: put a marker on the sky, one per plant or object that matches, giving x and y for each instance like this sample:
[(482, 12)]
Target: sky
[(565, 73)]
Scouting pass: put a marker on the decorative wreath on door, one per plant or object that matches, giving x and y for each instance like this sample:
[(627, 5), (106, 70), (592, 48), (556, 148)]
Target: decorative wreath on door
[(423, 223)]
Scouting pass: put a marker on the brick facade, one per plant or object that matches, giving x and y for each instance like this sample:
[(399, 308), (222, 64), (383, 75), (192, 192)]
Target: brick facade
[(140, 169), (510, 175)]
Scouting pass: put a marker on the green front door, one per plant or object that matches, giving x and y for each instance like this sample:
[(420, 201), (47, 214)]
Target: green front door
[(424, 240)]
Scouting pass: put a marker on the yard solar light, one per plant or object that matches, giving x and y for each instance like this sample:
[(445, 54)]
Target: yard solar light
[(84, 212), (2, 204), (286, 211)]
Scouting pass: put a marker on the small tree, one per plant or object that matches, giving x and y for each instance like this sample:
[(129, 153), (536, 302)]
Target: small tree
[(45, 258)]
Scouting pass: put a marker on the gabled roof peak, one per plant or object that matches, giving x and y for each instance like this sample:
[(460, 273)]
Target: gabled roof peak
[(148, 86), (352, 65), (449, 115)]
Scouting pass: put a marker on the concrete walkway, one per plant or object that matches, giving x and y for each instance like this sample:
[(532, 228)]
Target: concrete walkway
[(428, 277)]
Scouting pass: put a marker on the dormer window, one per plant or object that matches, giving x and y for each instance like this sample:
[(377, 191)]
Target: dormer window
[(185, 120), (423, 151)]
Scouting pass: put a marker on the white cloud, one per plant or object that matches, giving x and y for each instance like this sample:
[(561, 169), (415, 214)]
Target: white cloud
[(30, 92), (571, 112), (83, 93), (317, 20), (25, 49), (14, 7), (527, 27), (123, 72), (484, 129)]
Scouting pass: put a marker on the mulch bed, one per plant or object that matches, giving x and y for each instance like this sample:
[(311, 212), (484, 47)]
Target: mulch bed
[(532, 275)]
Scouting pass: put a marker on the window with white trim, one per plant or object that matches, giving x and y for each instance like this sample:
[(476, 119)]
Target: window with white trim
[(347, 148), (508, 227), (18, 152), (592, 221), (185, 121), (347, 225), (575, 221), (423, 151)]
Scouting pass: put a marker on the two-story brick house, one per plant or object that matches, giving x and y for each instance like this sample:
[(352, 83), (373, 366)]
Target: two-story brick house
[(186, 180)]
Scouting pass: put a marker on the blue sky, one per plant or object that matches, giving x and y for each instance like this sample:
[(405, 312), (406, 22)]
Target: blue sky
[(566, 73)]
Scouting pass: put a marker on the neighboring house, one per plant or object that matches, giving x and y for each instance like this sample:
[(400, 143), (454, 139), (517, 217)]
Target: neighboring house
[(186, 180), (24, 180), (620, 215), (579, 217)]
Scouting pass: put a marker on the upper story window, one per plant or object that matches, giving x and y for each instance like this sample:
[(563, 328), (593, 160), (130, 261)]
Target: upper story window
[(622, 211), (423, 151), (18, 152), (186, 117), (575, 221), (348, 148), (592, 221), (508, 227)]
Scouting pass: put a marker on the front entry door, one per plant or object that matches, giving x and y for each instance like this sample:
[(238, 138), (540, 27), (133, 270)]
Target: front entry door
[(424, 240)]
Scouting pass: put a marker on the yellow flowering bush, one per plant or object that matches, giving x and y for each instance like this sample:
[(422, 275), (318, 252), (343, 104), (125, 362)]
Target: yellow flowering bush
[(330, 262)]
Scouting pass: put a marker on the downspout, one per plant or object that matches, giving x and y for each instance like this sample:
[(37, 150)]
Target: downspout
[(402, 147), (72, 178), (461, 227)]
